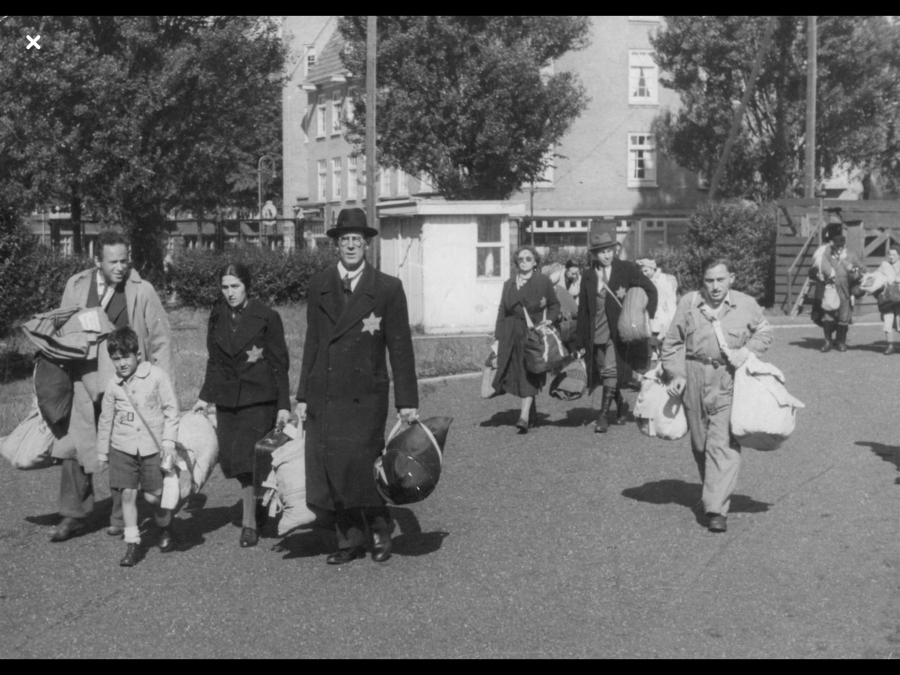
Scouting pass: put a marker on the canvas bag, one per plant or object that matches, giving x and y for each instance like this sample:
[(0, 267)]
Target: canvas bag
[(571, 381), (658, 413), (198, 447), (831, 300), (29, 445), (286, 484), (634, 323), (763, 413), (544, 349), (410, 465)]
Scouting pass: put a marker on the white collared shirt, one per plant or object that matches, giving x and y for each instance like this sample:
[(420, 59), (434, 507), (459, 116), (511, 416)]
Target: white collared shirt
[(354, 275), (105, 291)]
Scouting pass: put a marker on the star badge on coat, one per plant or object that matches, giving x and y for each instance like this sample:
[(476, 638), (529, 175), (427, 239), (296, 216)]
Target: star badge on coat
[(254, 354), (621, 293), (371, 324)]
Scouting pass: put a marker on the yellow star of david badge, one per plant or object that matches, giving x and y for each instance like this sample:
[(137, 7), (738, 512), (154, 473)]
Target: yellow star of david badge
[(371, 324), (254, 354), (620, 293)]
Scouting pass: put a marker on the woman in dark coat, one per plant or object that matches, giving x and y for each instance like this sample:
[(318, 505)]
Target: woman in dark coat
[(247, 379), (532, 291)]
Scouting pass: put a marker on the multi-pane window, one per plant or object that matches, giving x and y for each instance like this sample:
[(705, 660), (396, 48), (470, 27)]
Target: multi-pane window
[(320, 120), (642, 77), (336, 179), (351, 178), (489, 247), (310, 60), (336, 112), (658, 233), (322, 175), (641, 160)]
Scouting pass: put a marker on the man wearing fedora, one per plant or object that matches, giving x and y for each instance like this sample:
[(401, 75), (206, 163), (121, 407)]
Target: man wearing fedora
[(603, 288), (355, 316)]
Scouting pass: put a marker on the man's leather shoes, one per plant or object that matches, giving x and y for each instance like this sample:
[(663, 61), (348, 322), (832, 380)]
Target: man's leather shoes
[(717, 523), (115, 531), (249, 537), (345, 555), (841, 346), (167, 540), (826, 347), (381, 549), (68, 528)]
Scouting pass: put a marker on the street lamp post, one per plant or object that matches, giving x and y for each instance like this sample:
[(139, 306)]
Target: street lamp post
[(259, 165)]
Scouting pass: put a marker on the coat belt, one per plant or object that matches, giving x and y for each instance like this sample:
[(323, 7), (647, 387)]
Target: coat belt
[(715, 363)]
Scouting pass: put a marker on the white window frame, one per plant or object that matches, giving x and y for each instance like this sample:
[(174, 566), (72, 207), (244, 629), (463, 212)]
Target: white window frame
[(642, 65), (336, 179), (322, 175), (336, 101), (642, 156), (320, 120), (352, 187), (502, 245), (309, 60)]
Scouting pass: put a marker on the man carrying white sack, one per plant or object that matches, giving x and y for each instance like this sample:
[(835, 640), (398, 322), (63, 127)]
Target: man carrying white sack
[(704, 373)]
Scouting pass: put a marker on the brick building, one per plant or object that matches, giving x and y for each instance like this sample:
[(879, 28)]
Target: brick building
[(610, 168)]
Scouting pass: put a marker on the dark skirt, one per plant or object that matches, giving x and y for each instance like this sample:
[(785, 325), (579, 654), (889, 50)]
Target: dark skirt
[(516, 379), (238, 430)]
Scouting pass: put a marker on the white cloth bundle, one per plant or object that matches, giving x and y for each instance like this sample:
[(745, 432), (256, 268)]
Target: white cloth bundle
[(659, 414), (763, 413), (198, 448), (30, 443)]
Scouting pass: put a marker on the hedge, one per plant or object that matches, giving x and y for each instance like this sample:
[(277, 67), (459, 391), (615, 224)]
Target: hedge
[(279, 278)]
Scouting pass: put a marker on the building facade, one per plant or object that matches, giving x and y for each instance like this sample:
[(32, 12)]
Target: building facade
[(607, 168)]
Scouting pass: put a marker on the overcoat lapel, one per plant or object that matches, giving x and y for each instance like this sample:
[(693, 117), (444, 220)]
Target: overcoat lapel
[(251, 323), (361, 303), (330, 295)]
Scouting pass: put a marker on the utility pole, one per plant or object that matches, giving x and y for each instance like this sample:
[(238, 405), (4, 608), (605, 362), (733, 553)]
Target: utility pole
[(809, 178), (739, 113), (371, 164)]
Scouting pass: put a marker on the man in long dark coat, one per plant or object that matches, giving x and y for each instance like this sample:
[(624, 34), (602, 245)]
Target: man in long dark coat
[(599, 307), (355, 314)]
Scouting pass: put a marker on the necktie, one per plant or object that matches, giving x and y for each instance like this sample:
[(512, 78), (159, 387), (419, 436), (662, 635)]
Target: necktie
[(345, 285)]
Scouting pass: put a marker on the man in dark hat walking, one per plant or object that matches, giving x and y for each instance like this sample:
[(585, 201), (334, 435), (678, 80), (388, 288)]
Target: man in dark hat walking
[(603, 287), (839, 268), (355, 316)]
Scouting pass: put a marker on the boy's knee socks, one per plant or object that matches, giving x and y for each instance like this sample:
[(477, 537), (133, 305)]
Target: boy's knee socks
[(132, 535)]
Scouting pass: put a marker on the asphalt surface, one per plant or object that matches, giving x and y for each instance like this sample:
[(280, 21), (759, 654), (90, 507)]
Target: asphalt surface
[(557, 544)]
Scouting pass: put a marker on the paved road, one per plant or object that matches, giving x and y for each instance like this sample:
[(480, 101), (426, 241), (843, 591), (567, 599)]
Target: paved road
[(553, 544)]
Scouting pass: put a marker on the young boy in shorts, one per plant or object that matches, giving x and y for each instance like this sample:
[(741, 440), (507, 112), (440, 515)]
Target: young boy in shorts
[(139, 408)]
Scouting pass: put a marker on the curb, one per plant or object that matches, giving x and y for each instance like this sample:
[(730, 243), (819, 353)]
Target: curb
[(462, 376)]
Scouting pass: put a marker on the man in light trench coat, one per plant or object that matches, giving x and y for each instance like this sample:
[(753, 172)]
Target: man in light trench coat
[(127, 300)]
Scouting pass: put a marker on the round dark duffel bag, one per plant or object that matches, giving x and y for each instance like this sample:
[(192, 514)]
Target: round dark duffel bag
[(410, 465)]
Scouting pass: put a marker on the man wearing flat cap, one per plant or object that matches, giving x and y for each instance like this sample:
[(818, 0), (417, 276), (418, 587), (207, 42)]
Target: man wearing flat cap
[(603, 288), (355, 315)]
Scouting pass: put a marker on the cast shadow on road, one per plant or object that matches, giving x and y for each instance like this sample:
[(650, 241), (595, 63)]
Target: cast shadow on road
[(809, 343), (889, 453), (195, 520), (816, 344), (98, 519), (321, 540), (671, 491), (575, 417)]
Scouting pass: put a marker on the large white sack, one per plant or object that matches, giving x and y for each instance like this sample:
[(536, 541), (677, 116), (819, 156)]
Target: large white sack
[(30, 443), (763, 413), (658, 414), (289, 464), (198, 444)]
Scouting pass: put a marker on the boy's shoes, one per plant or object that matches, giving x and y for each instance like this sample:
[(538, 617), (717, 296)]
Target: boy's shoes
[(249, 537), (68, 528), (168, 541), (382, 545), (115, 531), (132, 557), (345, 555)]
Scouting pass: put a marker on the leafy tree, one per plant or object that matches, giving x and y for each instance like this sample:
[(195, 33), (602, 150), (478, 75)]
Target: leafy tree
[(707, 60), (131, 117), (467, 100)]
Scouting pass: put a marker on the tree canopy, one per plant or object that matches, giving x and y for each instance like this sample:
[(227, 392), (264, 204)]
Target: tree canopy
[(707, 60), (130, 117), (469, 101)]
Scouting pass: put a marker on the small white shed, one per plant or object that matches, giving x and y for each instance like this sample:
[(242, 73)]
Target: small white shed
[(452, 257)]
